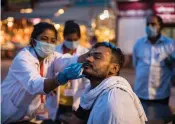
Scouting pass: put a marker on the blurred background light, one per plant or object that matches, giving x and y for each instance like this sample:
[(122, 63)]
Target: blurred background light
[(10, 24), (57, 26), (28, 10), (59, 12), (10, 19), (36, 20)]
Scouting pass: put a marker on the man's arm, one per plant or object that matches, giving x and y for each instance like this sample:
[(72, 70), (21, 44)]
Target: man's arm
[(164, 51)]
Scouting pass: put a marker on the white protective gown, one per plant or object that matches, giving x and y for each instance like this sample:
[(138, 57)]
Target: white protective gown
[(23, 85)]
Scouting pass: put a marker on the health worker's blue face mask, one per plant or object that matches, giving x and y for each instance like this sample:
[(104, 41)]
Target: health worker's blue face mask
[(151, 32), (44, 49), (71, 44)]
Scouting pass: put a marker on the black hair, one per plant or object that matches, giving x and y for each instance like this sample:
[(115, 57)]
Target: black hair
[(159, 19), (71, 27), (40, 28), (117, 54)]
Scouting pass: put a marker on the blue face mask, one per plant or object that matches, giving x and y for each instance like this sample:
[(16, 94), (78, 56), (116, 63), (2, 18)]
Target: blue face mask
[(71, 44), (151, 32), (44, 49)]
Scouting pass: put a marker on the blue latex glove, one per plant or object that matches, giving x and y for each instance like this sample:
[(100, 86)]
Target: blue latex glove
[(71, 72)]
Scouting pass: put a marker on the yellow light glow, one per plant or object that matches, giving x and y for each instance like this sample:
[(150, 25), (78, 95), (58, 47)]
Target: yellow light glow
[(57, 26), (106, 40), (93, 24), (26, 30), (107, 32), (28, 10), (61, 11), (10, 24), (10, 19), (82, 28), (97, 32), (22, 11), (102, 17)]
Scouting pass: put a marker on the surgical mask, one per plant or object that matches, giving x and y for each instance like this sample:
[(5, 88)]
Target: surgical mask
[(71, 44), (44, 49), (151, 32)]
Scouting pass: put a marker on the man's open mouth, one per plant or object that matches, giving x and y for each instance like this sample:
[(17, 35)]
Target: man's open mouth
[(87, 65)]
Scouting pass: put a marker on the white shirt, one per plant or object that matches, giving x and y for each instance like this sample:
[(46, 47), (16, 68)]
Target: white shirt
[(23, 84), (79, 84)]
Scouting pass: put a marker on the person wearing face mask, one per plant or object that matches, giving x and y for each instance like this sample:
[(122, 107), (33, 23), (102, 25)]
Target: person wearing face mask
[(150, 55), (27, 90), (70, 93)]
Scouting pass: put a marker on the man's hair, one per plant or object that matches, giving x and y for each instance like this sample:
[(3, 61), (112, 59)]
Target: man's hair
[(71, 27), (117, 55), (159, 19)]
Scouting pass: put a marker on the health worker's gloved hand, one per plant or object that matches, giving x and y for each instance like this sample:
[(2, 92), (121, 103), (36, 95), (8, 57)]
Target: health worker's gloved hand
[(71, 72)]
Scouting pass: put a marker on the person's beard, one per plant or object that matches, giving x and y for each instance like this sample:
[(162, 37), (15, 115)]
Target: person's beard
[(93, 72)]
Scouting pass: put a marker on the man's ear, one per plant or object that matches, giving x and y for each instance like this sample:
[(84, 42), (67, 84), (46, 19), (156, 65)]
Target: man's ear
[(114, 69)]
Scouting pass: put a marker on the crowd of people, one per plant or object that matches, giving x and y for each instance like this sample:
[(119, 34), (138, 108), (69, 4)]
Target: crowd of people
[(69, 83)]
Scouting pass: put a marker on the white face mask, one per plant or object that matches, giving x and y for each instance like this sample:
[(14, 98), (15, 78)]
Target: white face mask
[(44, 49), (151, 32), (71, 44)]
